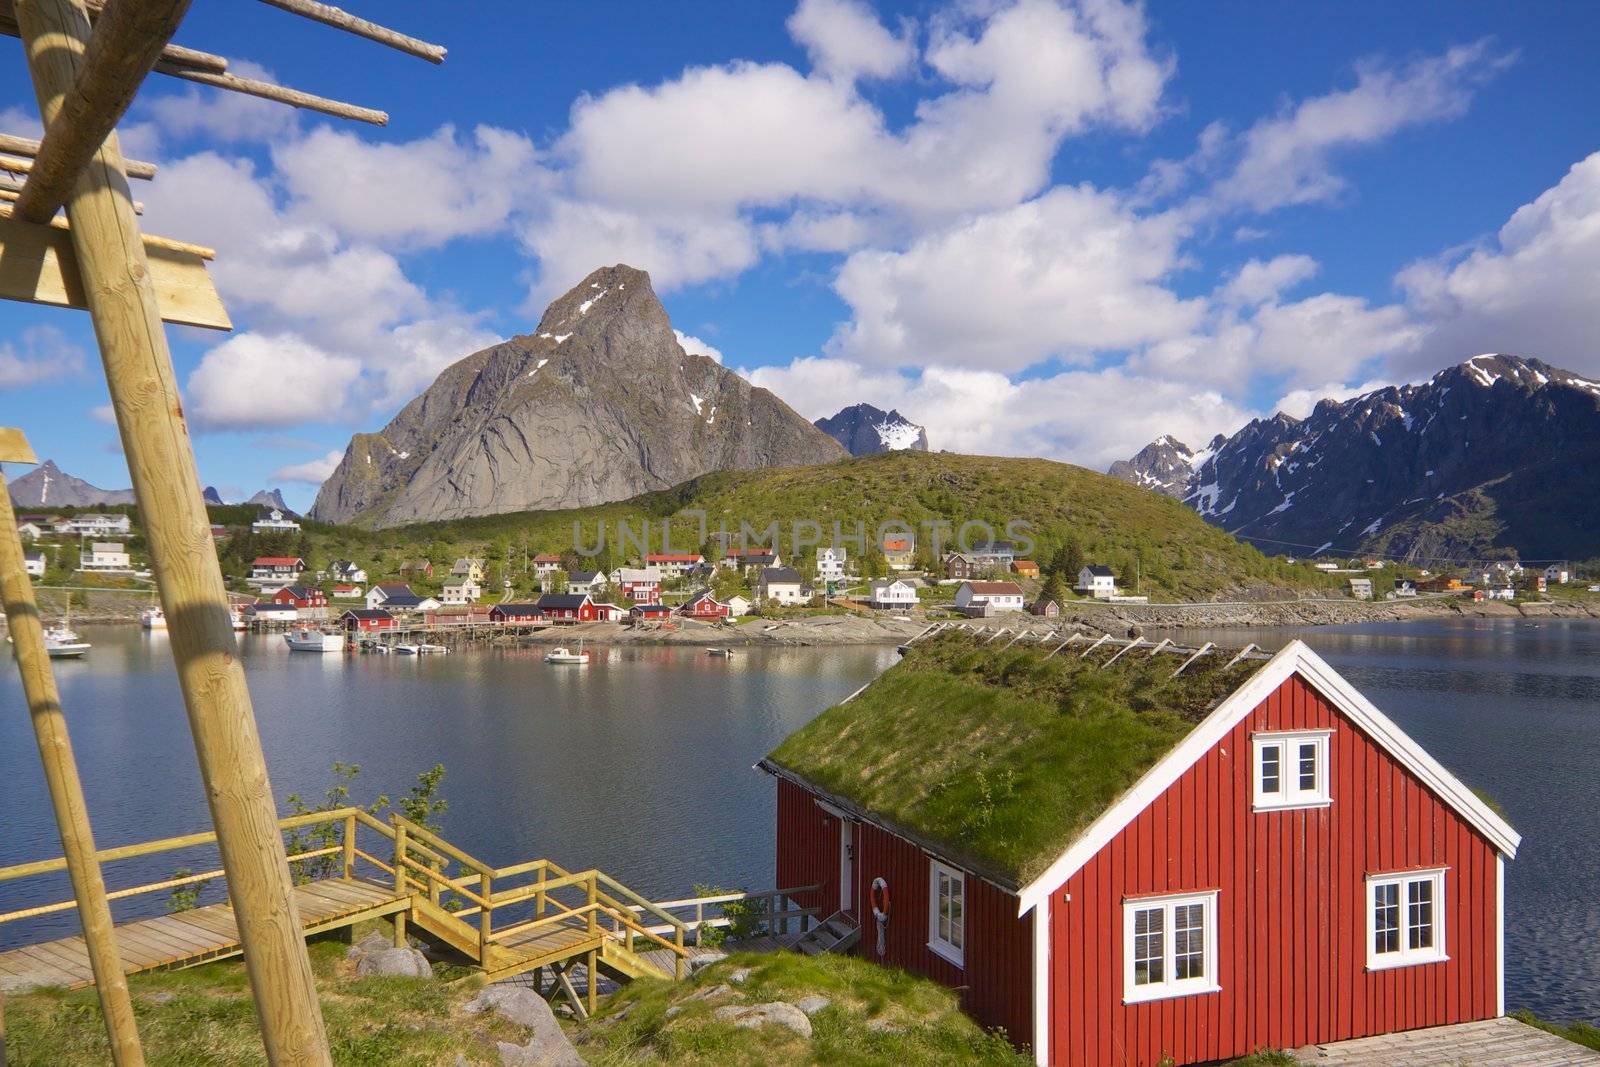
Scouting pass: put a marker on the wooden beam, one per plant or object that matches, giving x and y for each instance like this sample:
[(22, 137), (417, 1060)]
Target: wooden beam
[(340, 19), (14, 447), (177, 53), (124, 45), (61, 778), (39, 266), (27, 146), (155, 440), (280, 94)]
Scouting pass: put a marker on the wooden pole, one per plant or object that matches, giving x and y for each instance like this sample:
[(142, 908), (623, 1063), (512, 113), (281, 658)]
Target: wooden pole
[(121, 50), (155, 440), (279, 93), (66, 793), (27, 146), (340, 19)]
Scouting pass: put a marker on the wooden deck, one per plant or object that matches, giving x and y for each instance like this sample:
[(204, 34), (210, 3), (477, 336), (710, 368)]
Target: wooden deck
[(1492, 1043), (191, 937)]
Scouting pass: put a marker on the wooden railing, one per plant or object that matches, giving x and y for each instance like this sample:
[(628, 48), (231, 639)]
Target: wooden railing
[(773, 919)]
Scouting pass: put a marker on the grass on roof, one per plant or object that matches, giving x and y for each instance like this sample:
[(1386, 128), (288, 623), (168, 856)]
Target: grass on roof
[(1004, 757)]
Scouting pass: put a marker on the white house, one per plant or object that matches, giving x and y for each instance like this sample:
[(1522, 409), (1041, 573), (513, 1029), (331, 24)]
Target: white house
[(1557, 574), (738, 606), (996, 596), (781, 585), (588, 582), (275, 572), (105, 556), (344, 570), (462, 590), (893, 593), (382, 592), (468, 567), (97, 525), (830, 564), (274, 521), (1097, 581), (1326, 566), (1361, 588), (33, 563), (1404, 588), (642, 585), (29, 531), (673, 564), (267, 611)]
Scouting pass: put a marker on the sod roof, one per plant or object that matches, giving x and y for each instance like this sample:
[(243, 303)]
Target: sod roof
[(999, 758)]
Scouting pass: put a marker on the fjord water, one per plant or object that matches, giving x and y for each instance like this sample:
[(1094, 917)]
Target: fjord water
[(640, 763)]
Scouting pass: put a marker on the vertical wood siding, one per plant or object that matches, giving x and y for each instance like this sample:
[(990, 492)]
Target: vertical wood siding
[(996, 978), (808, 848), (1291, 923)]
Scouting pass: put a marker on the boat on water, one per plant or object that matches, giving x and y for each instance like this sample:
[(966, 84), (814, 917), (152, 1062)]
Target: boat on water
[(726, 653), (562, 654), (305, 639), (236, 617), (62, 642), (153, 619), (431, 650)]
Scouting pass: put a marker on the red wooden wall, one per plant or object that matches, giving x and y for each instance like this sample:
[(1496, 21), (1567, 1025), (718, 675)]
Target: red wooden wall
[(1292, 925), (808, 848)]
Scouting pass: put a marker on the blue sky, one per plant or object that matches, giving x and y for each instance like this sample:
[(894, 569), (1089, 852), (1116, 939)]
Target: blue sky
[(1039, 227)]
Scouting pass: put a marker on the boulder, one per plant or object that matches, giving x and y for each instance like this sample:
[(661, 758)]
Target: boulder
[(774, 1013), (394, 963), (812, 1004), (547, 1044)]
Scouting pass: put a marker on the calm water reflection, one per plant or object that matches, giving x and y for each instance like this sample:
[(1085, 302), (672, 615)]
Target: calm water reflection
[(640, 763)]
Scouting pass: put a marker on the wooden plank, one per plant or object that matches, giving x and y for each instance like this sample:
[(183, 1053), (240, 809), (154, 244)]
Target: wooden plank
[(38, 265), (14, 447)]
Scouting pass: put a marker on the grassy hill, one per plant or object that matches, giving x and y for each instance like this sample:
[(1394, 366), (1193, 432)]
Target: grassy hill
[(1143, 536)]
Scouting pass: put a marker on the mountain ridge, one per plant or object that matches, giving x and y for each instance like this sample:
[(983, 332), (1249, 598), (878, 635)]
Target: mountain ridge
[(1495, 456), (865, 430)]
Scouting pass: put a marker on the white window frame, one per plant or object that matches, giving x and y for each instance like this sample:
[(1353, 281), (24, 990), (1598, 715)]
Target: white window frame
[(1290, 795), (1406, 956), (1170, 986), (953, 952)]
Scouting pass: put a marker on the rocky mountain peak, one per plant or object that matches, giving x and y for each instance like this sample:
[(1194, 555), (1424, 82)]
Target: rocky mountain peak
[(865, 430), (47, 485), (599, 404), (1165, 465)]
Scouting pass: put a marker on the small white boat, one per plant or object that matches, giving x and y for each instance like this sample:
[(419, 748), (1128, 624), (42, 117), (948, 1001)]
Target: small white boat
[(726, 653), (153, 619), (235, 616), (61, 642), (305, 639), (562, 654), (431, 650), (405, 649)]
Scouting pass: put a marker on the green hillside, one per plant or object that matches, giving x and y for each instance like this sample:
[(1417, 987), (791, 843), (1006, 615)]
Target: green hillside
[(1144, 537)]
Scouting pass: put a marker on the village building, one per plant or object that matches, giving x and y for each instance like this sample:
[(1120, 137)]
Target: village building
[(642, 585), (309, 601), (1096, 581), (738, 606), (519, 613), (567, 608), (265, 611), (1404, 588), (272, 572), (1361, 588), (105, 557), (366, 620), (34, 563), (993, 555), (607, 612), (1535, 583), (959, 567), (654, 612), (272, 520), (895, 594), (29, 531), (1557, 574), (988, 598), (416, 568), (1326, 566), (382, 592), (547, 562), (458, 591), (1024, 568), (1442, 583), (704, 606), (94, 524), (673, 564), (587, 581), (899, 552), (783, 586), (344, 570), (1045, 607), (1271, 832), (749, 558), (470, 567), (346, 592), (830, 564)]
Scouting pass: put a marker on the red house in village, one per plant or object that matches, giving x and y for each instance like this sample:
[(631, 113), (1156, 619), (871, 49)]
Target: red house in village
[(1285, 867), (516, 613), (649, 612), (568, 607), (705, 606), (366, 620), (303, 597)]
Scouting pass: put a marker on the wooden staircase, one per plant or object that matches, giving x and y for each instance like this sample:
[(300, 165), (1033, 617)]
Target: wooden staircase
[(837, 933)]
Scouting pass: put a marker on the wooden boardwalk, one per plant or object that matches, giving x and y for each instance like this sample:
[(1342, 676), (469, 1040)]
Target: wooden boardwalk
[(1491, 1043), (190, 937)]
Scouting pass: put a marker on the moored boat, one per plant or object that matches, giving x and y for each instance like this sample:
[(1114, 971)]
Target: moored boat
[(562, 654), (726, 653), (62, 642), (153, 619), (305, 639)]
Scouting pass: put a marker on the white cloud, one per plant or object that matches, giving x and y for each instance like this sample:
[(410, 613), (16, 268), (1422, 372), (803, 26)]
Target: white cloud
[(845, 40), (1260, 281), (1069, 273), (262, 381), (222, 117), (311, 472), (987, 413), (104, 413), (1530, 290), (1301, 402), (39, 354), (1288, 159), (696, 347)]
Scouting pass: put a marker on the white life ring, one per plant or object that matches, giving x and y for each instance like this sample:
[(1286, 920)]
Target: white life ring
[(880, 900)]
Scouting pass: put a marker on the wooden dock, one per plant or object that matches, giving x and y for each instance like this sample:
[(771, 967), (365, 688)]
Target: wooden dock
[(1491, 1043), (505, 921)]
